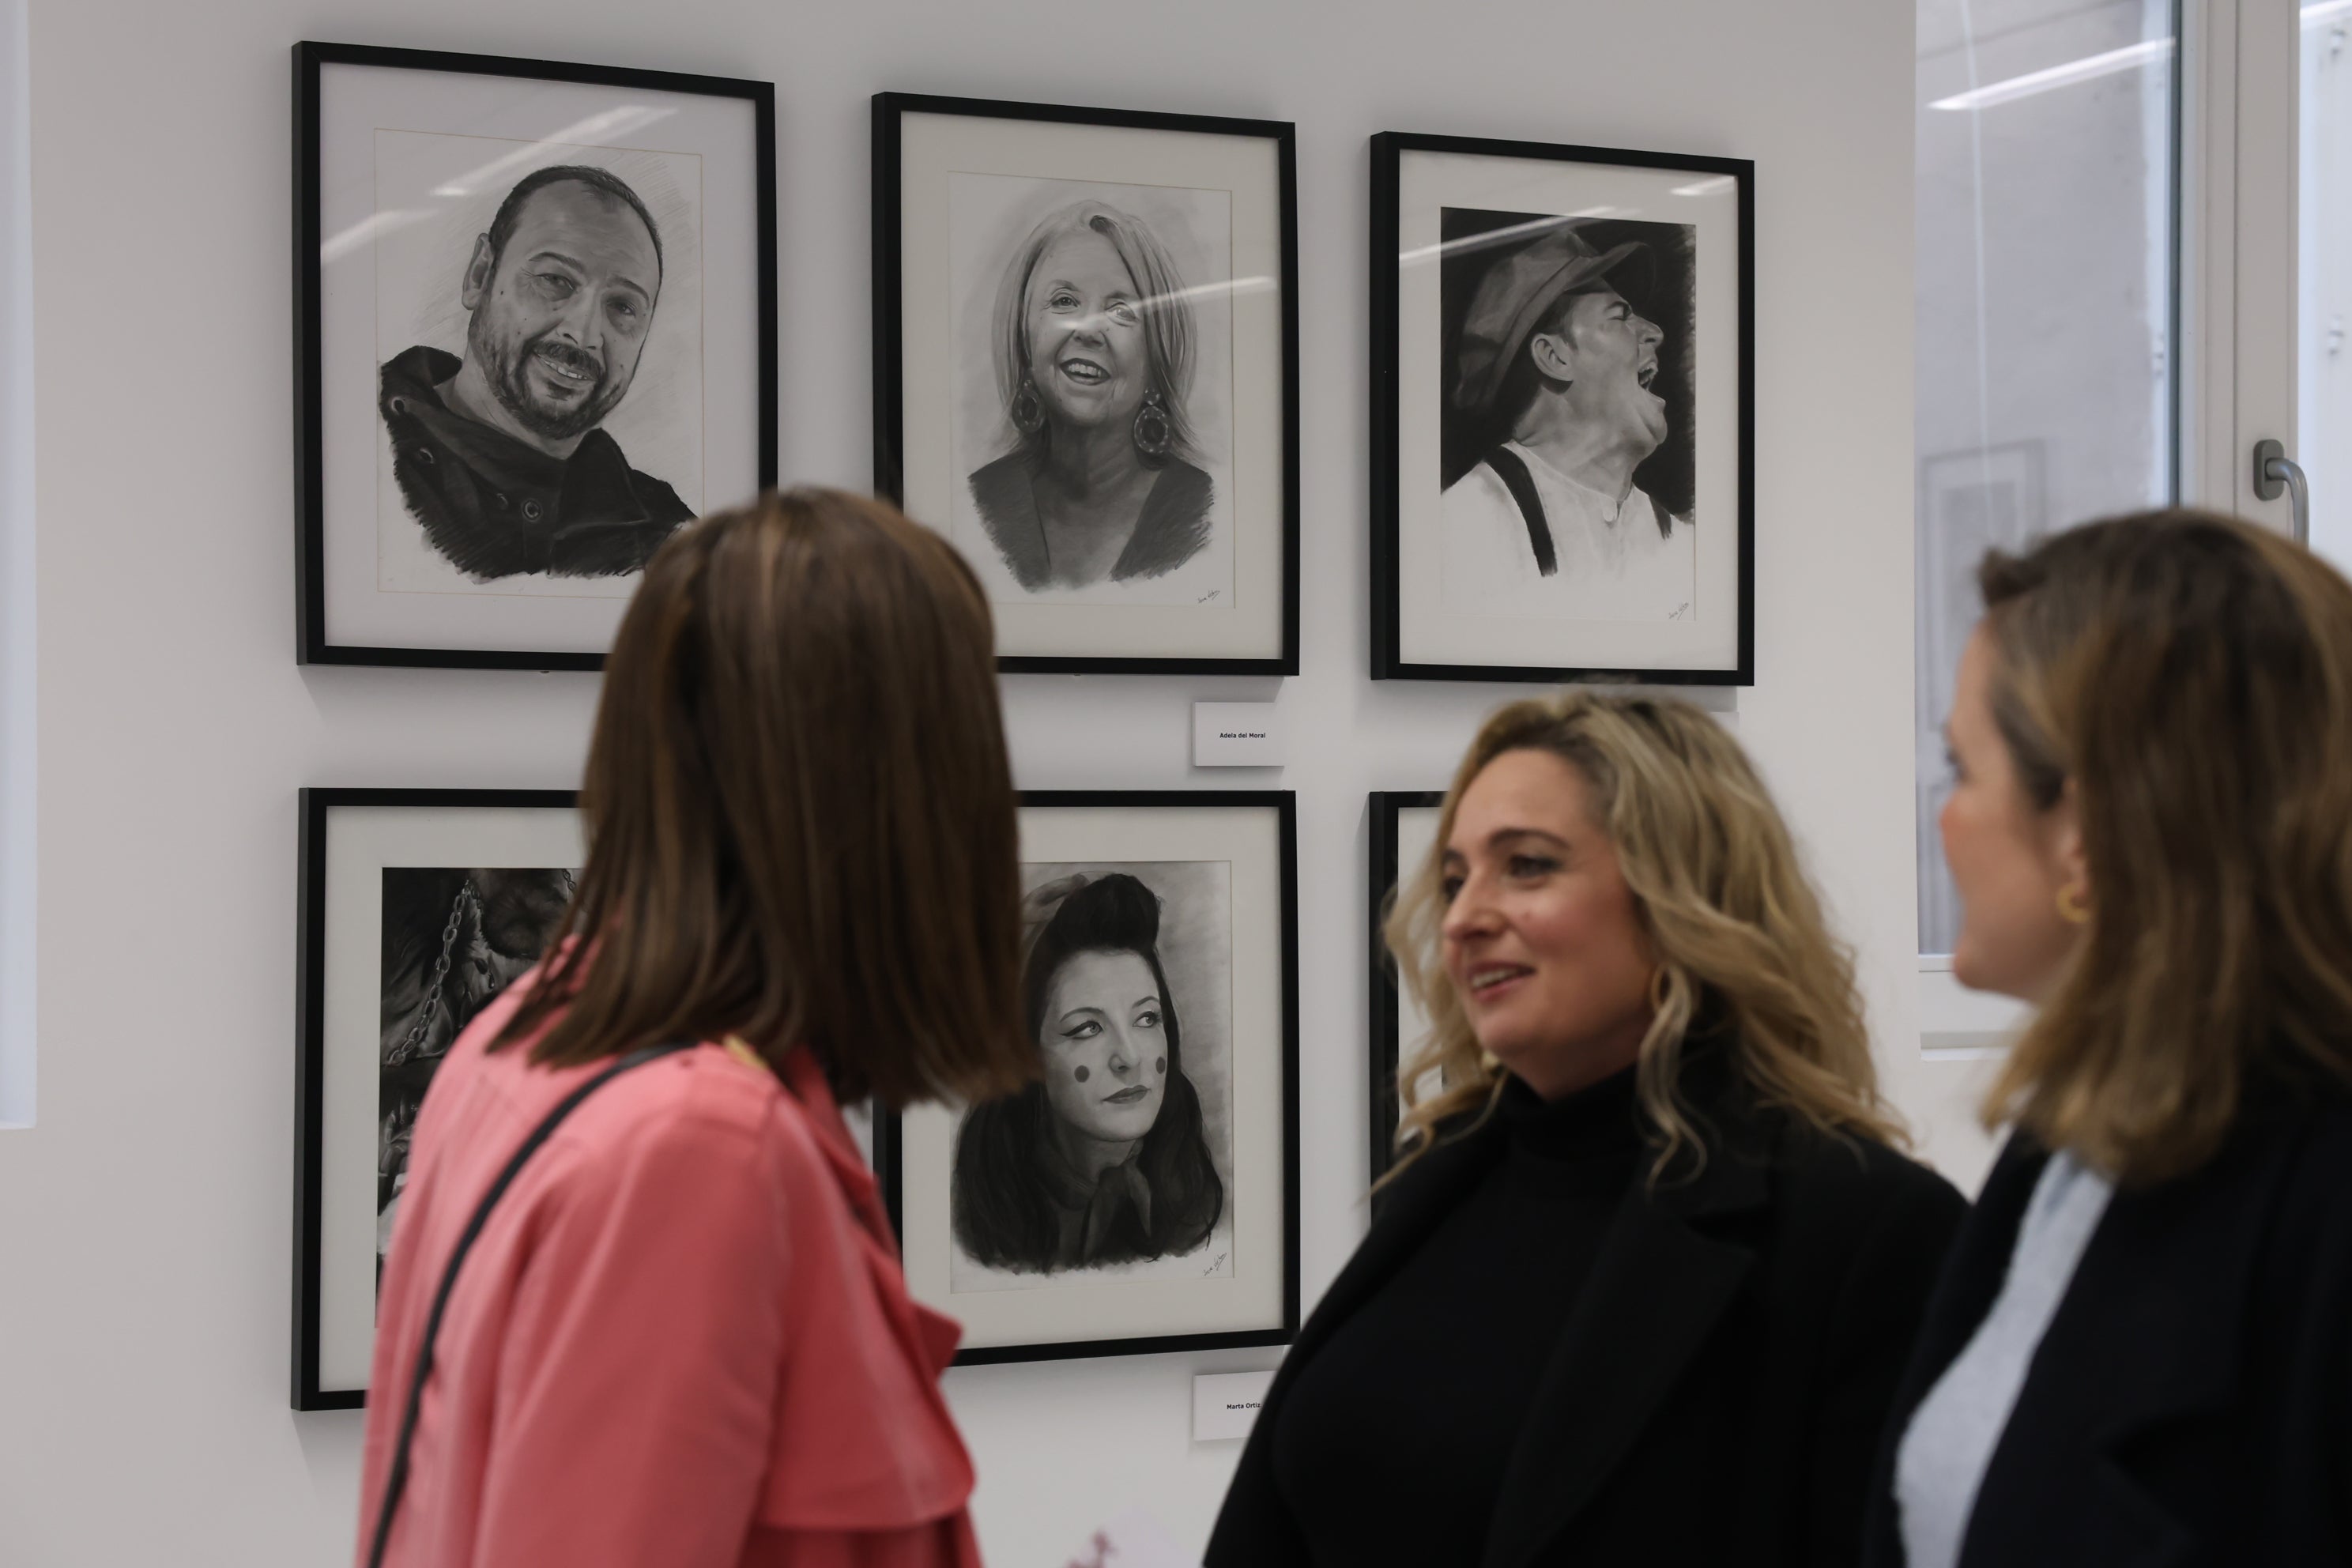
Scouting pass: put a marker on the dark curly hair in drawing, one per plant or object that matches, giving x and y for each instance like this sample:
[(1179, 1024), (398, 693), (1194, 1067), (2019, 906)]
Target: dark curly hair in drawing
[(1001, 1198)]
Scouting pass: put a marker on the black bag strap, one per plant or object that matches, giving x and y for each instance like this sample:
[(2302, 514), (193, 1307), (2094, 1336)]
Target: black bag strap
[(395, 1480), (1513, 471)]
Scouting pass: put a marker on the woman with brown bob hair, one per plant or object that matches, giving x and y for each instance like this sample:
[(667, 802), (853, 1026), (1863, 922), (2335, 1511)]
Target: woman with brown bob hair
[(2141, 1351), (1644, 1282), (680, 1334)]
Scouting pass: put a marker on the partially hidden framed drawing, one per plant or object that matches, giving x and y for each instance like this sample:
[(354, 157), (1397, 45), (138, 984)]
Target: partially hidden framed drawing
[(1563, 474), (1086, 373), (416, 908), (1403, 826), (1144, 1194), (534, 332)]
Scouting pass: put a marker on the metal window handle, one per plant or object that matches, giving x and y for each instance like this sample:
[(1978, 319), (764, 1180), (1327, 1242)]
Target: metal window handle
[(2274, 471)]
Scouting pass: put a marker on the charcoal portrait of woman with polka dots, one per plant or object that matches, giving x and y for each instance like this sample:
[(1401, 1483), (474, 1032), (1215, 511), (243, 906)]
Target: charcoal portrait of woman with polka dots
[(1141, 1192), (1109, 1162)]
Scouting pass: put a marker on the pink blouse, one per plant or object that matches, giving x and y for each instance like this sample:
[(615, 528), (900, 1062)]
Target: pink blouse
[(682, 1339)]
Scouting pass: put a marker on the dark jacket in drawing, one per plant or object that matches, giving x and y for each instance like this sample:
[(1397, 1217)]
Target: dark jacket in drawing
[(1108, 1219), (496, 507), (1173, 526)]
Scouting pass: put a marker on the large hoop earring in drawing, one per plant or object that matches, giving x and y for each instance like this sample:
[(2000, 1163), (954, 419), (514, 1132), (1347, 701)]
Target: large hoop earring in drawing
[(1153, 435), (1028, 409), (2072, 907)]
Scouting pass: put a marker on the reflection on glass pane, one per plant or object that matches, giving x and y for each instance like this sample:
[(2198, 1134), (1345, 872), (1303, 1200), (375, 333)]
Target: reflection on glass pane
[(2324, 386), (2044, 308)]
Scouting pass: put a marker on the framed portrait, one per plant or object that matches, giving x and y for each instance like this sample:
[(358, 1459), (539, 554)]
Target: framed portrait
[(1143, 1196), (1403, 826), (1974, 499), (1086, 373), (535, 331), (1563, 480), (417, 907)]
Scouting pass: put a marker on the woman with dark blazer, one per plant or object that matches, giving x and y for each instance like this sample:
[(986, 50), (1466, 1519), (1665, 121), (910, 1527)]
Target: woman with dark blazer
[(1642, 1284), (2141, 1351)]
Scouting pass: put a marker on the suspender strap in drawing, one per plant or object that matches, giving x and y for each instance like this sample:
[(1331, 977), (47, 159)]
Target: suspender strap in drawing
[(395, 1480), (1516, 478)]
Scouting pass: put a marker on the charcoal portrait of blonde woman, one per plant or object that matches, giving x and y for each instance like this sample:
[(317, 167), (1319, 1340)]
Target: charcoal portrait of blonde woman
[(1093, 397), (1118, 1163)]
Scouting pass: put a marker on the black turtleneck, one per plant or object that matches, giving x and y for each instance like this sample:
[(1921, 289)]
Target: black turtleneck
[(1391, 1447)]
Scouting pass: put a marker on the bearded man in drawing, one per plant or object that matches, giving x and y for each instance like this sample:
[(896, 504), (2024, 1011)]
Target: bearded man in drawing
[(502, 454), (1549, 522)]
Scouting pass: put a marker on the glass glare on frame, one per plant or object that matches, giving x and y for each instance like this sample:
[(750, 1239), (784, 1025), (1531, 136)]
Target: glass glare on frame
[(2044, 309)]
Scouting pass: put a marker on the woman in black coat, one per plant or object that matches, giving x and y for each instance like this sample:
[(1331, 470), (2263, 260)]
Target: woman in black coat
[(2141, 1351), (1648, 1273)]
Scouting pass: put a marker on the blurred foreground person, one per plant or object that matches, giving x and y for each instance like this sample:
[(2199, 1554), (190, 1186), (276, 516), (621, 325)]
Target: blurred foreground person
[(2139, 1352), (681, 1336), (1641, 1290)]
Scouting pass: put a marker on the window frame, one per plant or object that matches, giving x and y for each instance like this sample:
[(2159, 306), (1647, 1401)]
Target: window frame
[(1957, 1025)]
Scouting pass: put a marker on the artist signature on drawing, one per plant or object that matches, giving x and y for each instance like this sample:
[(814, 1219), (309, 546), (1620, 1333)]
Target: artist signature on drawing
[(1681, 612), (1214, 1264), (1209, 595)]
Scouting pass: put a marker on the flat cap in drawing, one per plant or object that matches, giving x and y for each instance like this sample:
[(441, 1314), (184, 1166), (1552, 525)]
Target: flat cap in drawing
[(1514, 295)]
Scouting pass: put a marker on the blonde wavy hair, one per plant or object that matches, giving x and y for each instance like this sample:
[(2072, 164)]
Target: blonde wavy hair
[(1745, 954)]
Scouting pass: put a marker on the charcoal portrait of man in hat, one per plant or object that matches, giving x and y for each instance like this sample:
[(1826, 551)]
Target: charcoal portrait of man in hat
[(500, 453), (1556, 364)]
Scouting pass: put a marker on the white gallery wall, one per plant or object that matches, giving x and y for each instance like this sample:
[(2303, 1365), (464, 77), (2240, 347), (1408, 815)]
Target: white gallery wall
[(145, 1220)]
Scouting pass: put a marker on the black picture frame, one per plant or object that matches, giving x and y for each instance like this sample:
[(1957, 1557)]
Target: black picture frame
[(889, 403), (1386, 1042), (313, 643), (1388, 663), (888, 1146), (314, 807)]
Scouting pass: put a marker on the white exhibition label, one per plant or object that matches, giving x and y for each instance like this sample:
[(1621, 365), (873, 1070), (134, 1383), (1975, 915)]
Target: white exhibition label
[(1225, 1403), (1236, 735)]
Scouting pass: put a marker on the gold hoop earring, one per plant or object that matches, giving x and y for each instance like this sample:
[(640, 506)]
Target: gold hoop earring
[(2073, 907)]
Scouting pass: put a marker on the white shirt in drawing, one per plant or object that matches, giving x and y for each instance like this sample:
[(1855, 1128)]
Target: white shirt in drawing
[(1616, 560)]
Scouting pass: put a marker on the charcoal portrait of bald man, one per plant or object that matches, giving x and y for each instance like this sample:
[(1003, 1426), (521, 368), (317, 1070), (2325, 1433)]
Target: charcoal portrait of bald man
[(500, 452)]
